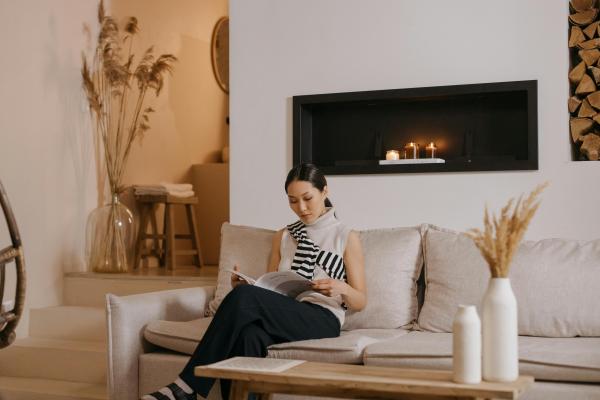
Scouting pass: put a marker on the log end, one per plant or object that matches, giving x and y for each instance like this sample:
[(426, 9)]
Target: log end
[(591, 146), (582, 5), (584, 17)]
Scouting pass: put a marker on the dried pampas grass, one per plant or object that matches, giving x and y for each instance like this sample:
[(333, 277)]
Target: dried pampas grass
[(116, 91), (501, 235)]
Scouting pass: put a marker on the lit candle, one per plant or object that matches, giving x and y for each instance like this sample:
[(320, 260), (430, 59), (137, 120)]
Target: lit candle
[(411, 150), (392, 155), (431, 150)]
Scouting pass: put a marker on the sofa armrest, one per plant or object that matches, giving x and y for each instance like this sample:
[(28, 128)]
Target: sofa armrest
[(127, 316)]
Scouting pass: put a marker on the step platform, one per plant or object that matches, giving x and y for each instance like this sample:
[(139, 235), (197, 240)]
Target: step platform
[(89, 289)]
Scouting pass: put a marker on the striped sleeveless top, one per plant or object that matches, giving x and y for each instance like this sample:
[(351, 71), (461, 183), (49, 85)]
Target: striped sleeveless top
[(329, 234)]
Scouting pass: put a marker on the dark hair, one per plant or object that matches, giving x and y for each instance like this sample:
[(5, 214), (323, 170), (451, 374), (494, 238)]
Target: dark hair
[(308, 173)]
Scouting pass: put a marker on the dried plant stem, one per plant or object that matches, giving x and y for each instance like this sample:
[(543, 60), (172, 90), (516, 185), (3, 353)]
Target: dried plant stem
[(111, 76), (501, 235), (110, 83), (132, 132)]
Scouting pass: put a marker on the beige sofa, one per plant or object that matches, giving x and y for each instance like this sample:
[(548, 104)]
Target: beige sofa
[(416, 277)]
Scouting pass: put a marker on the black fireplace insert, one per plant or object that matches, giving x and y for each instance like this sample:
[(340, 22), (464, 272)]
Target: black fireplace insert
[(478, 127)]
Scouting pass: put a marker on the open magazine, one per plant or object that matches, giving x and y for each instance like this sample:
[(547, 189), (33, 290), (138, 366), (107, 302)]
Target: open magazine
[(287, 283)]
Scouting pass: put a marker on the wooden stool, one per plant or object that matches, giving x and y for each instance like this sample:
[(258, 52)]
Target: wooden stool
[(165, 251)]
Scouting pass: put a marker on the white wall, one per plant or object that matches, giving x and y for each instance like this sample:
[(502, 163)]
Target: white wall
[(282, 48), (45, 142)]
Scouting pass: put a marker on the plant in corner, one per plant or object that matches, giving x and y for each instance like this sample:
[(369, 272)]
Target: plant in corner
[(116, 85), (498, 244)]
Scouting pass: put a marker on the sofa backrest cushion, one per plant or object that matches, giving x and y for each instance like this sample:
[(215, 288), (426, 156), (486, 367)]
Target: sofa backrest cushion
[(555, 282), (393, 261), (246, 246)]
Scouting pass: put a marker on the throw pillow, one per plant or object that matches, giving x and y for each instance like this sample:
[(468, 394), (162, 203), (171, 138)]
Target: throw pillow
[(393, 260), (246, 246), (553, 281)]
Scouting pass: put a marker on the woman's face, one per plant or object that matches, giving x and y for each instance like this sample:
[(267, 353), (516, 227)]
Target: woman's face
[(306, 201)]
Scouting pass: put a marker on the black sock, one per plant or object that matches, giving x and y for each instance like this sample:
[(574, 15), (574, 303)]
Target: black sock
[(170, 392)]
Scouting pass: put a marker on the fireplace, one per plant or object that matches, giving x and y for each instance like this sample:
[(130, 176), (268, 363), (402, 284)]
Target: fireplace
[(480, 127)]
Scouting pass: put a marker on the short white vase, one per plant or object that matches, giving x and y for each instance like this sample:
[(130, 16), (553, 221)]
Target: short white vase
[(500, 334), (466, 345)]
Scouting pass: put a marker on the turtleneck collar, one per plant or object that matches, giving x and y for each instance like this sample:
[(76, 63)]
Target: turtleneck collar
[(324, 220)]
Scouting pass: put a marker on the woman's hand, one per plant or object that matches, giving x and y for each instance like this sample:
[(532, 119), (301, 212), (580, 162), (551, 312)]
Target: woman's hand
[(329, 287), (237, 280)]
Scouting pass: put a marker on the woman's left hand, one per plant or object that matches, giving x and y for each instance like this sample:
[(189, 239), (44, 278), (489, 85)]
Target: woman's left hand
[(329, 287)]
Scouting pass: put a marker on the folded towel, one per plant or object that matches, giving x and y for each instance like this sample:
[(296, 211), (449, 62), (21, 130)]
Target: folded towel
[(149, 189), (189, 193), (173, 189), (177, 187)]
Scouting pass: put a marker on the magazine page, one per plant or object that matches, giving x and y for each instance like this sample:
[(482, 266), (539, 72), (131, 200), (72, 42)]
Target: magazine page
[(245, 277), (288, 283), (256, 364)]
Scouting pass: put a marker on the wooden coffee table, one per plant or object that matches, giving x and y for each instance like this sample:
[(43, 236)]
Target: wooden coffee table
[(358, 381)]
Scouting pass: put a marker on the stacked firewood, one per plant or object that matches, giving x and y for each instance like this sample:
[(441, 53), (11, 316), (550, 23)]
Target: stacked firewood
[(584, 103)]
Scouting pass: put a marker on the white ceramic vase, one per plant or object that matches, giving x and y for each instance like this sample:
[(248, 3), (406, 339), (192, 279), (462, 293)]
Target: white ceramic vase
[(466, 345), (500, 334)]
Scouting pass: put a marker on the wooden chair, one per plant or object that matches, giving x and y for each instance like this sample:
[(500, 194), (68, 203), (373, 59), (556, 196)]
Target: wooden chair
[(163, 244), (13, 253)]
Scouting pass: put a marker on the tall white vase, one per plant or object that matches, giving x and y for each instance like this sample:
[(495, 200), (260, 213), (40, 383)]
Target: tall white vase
[(466, 345), (500, 334)]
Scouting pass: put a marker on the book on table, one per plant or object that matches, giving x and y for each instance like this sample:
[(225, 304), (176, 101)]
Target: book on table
[(287, 283)]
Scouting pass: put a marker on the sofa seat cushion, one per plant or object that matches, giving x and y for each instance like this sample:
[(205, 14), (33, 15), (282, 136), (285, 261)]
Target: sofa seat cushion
[(346, 349), (551, 359), (553, 280), (182, 337), (544, 390)]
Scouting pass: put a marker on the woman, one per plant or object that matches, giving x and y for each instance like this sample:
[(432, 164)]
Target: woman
[(319, 247)]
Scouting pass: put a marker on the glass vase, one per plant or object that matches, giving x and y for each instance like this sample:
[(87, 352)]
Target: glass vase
[(109, 238)]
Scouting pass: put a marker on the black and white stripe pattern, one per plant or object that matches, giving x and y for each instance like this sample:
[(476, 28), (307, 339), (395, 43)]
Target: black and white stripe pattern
[(308, 255)]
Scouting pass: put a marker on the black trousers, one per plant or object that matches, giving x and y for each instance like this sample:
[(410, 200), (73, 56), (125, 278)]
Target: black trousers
[(248, 321)]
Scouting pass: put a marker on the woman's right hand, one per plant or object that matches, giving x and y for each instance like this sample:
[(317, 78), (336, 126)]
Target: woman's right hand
[(237, 280)]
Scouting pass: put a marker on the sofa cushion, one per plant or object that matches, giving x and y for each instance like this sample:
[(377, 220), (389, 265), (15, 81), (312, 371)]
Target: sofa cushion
[(552, 359), (560, 391), (245, 246), (182, 337), (553, 281), (346, 349), (393, 261)]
